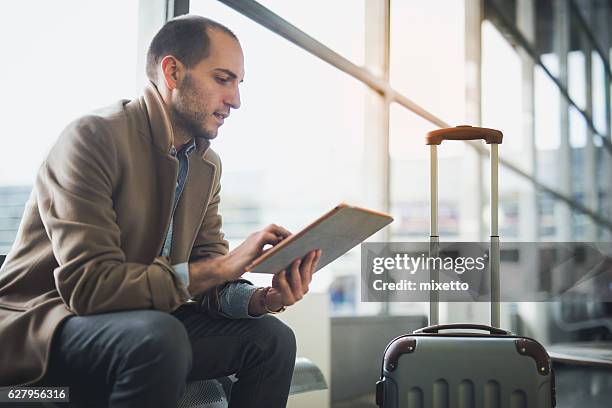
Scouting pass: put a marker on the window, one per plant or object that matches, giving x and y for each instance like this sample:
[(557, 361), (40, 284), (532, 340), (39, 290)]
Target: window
[(295, 148), (66, 59), (599, 92), (410, 196), (349, 41), (428, 55), (502, 104)]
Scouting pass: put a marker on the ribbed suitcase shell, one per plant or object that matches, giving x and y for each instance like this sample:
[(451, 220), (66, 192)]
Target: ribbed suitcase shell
[(464, 371)]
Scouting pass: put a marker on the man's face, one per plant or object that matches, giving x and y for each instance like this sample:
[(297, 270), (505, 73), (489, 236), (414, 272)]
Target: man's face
[(208, 91)]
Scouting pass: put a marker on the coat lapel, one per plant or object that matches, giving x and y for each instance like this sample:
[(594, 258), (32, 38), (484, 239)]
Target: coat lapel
[(160, 130), (167, 173), (192, 207)]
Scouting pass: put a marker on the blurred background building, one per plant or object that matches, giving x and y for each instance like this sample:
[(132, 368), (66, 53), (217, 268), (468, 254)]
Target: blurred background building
[(337, 98)]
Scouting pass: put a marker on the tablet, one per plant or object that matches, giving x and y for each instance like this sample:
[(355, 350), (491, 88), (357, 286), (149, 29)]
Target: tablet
[(334, 233)]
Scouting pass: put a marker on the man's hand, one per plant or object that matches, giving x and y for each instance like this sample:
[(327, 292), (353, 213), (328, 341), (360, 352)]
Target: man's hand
[(205, 274), (288, 286)]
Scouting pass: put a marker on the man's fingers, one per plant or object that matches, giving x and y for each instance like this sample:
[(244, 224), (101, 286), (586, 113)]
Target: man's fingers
[(315, 263), (313, 269), (295, 279), (293, 282), (285, 289), (277, 230), (266, 237), (275, 280), (306, 269), (308, 260)]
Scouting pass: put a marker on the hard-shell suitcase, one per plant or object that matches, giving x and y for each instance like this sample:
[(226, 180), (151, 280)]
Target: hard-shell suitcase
[(439, 367)]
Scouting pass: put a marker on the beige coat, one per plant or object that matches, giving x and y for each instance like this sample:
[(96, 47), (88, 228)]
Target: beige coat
[(94, 226)]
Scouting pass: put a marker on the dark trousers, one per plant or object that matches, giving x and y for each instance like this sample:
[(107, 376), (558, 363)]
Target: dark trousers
[(143, 358)]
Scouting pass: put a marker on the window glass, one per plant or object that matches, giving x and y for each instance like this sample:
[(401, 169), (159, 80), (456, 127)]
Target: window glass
[(428, 55), (502, 104), (576, 77), (507, 8), (63, 67), (576, 64), (547, 127), (12, 203), (516, 212), (410, 177), (295, 149), (410, 189), (517, 205), (547, 215), (582, 156), (578, 128), (545, 26), (604, 179), (547, 99), (584, 228), (599, 92), (339, 24), (66, 59), (458, 213)]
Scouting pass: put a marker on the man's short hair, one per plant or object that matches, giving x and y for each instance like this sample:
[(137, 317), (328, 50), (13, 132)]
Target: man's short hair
[(184, 37)]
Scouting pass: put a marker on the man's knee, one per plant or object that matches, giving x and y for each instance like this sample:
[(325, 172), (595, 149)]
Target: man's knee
[(275, 332), (123, 350), (161, 341)]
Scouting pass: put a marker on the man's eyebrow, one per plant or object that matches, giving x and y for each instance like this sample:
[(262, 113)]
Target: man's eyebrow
[(228, 72)]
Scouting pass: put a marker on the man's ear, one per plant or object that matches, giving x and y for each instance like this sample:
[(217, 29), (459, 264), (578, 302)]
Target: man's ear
[(172, 71)]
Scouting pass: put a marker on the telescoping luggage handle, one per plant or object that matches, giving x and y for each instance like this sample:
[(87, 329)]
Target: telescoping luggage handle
[(464, 132), (494, 138)]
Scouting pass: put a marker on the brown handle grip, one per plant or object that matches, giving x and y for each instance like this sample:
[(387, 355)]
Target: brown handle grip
[(464, 132), (436, 328)]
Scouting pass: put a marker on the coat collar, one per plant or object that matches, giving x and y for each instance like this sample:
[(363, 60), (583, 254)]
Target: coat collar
[(160, 123), (198, 189)]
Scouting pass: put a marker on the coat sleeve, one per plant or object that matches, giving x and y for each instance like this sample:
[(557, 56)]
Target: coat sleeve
[(74, 188)]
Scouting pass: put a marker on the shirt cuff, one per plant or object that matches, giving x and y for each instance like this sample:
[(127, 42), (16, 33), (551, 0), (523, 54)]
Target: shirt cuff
[(234, 300), (182, 270)]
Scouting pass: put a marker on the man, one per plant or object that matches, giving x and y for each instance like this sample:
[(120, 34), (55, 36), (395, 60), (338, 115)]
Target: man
[(122, 229)]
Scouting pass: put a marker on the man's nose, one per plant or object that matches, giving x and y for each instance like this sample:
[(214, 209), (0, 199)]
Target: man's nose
[(233, 99)]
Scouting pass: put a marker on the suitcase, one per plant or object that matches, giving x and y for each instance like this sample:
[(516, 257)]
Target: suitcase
[(438, 366)]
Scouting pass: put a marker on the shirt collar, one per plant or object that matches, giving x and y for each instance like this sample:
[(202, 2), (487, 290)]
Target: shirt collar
[(188, 148)]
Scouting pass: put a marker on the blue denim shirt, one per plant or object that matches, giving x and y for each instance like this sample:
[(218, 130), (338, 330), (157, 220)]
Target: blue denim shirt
[(234, 298)]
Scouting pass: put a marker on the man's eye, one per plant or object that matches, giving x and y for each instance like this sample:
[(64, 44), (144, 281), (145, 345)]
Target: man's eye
[(222, 80)]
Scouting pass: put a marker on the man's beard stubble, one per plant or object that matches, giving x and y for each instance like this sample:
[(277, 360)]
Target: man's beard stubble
[(185, 117)]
